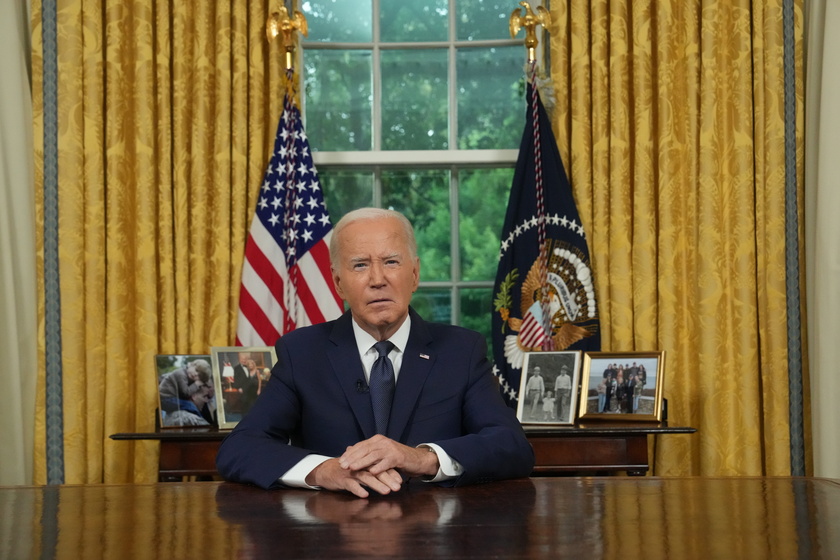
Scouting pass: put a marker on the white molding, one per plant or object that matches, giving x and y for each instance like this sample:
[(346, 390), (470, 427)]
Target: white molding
[(416, 158)]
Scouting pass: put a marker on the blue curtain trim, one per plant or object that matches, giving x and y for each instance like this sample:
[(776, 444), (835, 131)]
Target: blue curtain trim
[(794, 315), (52, 292)]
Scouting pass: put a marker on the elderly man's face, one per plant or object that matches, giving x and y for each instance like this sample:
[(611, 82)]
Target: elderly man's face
[(376, 274)]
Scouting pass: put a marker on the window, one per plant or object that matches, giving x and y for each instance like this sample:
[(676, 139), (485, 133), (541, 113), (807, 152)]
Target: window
[(418, 105)]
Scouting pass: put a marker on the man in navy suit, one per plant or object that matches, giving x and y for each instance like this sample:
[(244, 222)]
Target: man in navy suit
[(313, 426)]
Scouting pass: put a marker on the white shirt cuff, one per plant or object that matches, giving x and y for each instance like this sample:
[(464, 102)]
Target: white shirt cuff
[(296, 476), (449, 467)]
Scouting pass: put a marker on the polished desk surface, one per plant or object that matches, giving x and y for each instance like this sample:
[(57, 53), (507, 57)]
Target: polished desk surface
[(599, 517)]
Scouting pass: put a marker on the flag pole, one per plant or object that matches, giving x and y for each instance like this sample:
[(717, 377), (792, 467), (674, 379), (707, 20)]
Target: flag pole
[(525, 17), (278, 23), (286, 282)]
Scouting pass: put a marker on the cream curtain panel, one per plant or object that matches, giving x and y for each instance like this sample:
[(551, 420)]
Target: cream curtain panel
[(823, 238), (672, 119), (17, 250), (153, 122)]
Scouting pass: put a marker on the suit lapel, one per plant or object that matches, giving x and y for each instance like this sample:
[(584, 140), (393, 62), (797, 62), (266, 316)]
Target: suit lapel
[(347, 368), (417, 363)]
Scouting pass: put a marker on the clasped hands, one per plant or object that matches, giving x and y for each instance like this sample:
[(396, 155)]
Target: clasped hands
[(377, 464)]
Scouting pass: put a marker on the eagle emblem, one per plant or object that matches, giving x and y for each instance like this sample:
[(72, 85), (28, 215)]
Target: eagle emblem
[(556, 307)]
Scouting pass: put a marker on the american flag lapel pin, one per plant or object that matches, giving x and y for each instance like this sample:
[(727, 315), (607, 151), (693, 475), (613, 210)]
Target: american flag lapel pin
[(424, 356)]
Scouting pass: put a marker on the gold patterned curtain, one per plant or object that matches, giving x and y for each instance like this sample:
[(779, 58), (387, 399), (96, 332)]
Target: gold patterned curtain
[(671, 118), (153, 121)]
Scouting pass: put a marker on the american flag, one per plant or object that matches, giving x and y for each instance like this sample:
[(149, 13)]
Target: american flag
[(286, 280)]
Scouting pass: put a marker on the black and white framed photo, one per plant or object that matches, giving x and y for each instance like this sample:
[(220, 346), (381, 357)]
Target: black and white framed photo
[(186, 391), (622, 386), (548, 389), (240, 372)]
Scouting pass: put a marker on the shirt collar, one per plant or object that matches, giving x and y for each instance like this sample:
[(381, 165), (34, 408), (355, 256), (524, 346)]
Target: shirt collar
[(364, 340)]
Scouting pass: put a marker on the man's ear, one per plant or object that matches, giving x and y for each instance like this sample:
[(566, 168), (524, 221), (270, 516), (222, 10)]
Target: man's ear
[(416, 274), (337, 283)]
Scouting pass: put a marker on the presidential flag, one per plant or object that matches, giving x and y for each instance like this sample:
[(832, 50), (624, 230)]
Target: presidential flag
[(286, 280), (544, 294)]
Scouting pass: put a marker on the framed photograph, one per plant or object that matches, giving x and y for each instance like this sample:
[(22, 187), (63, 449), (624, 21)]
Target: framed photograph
[(186, 391), (622, 386), (548, 388), (240, 372)]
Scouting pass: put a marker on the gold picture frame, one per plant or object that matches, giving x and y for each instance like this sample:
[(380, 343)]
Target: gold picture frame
[(237, 385), (548, 388), (622, 386)]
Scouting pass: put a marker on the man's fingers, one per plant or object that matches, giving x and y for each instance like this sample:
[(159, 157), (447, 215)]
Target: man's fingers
[(384, 483), (391, 478), (377, 454), (362, 455), (330, 476), (356, 489)]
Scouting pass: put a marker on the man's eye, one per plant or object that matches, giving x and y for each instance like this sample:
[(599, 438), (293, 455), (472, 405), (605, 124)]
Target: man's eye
[(359, 266)]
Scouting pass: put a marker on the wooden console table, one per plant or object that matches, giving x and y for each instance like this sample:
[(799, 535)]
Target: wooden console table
[(596, 447), (592, 448), (183, 451)]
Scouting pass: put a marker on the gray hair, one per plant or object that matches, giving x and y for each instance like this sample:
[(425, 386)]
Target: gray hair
[(202, 367), (371, 214)]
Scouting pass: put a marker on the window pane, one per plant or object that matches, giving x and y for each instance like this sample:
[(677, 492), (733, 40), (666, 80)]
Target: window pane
[(476, 306), (491, 99), (345, 191), (484, 19), (433, 304), (482, 203), (338, 99), (415, 104), (338, 21), (417, 20), (423, 196)]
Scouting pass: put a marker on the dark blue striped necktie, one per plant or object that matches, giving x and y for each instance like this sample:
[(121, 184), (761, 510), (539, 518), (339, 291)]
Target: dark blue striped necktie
[(382, 385)]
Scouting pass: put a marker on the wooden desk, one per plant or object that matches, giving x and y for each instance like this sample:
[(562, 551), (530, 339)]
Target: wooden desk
[(592, 448), (623, 518)]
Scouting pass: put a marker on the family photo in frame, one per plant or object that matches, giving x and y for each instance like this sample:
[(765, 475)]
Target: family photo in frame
[(548, 388), (186, 391), (625, 385), (240, 373)]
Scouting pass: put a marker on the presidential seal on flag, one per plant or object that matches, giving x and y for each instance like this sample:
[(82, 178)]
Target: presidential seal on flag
[(570, 311)]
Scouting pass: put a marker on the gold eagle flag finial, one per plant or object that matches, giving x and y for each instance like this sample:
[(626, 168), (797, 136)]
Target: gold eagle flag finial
[(279, 22), (529, 20)]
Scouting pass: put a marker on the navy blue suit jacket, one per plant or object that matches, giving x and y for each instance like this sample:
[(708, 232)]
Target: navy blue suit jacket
[(317, 402)]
